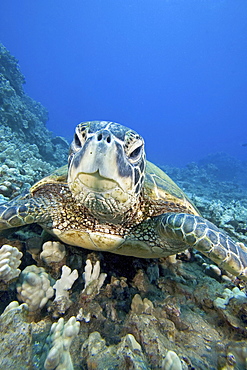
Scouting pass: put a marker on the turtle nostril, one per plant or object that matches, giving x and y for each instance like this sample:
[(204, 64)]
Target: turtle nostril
[(105, 136)]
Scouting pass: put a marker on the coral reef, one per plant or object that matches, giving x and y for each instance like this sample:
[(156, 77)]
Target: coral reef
[(9, 263), (93, 278), (171, 361), (16, 339), (126, 355), (60, 339), (141, 306), (229, 294), (14, 305), (52, 252), (150, 314), (34, 287), (62, 287), (28, 150)]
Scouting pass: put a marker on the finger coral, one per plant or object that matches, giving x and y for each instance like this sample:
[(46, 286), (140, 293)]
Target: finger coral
[(93, 278), (52, 252), (60, 339), (10, 260), (34, 287), (62, 287)]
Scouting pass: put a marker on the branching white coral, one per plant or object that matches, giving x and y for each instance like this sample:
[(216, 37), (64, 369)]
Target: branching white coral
[(65, 282), (60, 339), (62, 287), (93, 278), (9, 262), (52, 252), (34, 287)]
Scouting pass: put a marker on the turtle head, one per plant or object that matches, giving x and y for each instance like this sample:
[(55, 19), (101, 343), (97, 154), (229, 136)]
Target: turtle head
[(106, 169)]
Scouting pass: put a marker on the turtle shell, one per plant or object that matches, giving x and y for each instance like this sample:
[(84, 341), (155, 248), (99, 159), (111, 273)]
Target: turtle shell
[(160, 188), (59, 176)]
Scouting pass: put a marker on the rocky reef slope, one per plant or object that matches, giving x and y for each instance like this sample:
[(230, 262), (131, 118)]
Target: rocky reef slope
[(28, 150)]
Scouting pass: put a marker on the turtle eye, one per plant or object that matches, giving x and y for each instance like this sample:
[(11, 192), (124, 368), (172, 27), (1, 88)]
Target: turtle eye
[(135, 153), (133, 146)]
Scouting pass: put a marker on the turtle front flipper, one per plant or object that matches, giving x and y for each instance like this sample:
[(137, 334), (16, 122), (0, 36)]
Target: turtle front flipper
[(201, 234), (22, 211)]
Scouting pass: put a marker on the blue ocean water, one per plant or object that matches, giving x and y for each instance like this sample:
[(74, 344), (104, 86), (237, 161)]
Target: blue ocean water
[(173, 70)]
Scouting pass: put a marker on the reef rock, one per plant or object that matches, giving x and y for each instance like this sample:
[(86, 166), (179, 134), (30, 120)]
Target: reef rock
[(16, 339)]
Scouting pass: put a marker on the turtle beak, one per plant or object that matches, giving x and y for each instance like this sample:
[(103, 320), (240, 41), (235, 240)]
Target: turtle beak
[(96, 182)]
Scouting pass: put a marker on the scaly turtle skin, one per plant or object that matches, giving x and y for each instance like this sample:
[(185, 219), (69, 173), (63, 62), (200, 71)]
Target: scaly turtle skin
[(111, 199)]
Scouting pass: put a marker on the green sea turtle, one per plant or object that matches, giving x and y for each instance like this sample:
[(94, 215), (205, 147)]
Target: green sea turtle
[(109, 198)]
